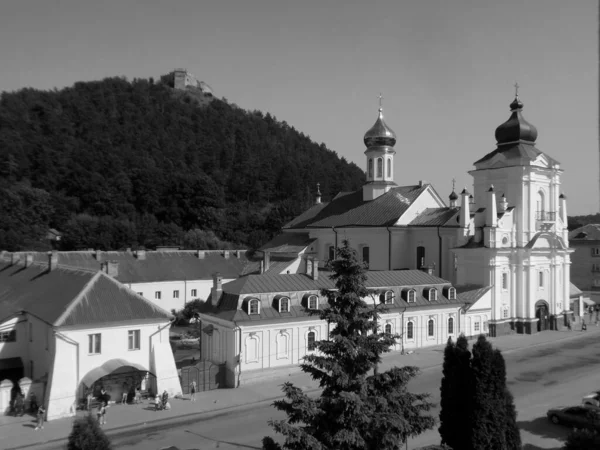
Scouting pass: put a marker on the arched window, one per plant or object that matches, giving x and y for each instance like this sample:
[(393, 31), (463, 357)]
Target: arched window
[(310, 338), (541, 279), (451, 294), (388, 328), (254, 306), (313, 302), (540, 202), (432, 294), (331, 252), (370, 173), (411, 296), (379, 167), (410, 330), (504, 281), (284, 304), (389, 168), (430, 327), (365, 255), (388, 298), (450, 325)]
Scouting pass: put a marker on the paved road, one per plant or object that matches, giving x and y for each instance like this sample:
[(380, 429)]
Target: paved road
[(539, 378)]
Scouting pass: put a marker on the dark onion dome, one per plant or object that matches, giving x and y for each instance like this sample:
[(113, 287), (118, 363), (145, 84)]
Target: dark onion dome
[(380, 134), (516, 128), (561, 196), (453, 196)]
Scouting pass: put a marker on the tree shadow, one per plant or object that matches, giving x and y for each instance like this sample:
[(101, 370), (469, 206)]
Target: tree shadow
[(535, 447), (29, 425), (542, 427)]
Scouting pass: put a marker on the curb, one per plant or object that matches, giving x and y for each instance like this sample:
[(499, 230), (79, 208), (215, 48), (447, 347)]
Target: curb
[(184, 419)]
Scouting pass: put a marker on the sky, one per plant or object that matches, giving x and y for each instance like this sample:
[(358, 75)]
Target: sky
[(446, 69)]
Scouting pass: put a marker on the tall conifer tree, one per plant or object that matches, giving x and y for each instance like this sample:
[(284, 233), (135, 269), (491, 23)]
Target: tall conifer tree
[(356, 410)]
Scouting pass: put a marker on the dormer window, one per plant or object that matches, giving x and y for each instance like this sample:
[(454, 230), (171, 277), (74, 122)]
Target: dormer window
[(410, 295), (313, 302), (284, 304), (253, 306), (432, 294), (450, 293), (387, 298)]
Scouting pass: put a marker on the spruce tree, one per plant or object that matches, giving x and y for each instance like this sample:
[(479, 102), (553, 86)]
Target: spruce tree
[(356, 410), (87, 435)]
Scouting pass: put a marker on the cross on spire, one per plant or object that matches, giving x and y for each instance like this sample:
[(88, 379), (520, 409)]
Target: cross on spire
[(453, 183), (380, 101), (516, 89)]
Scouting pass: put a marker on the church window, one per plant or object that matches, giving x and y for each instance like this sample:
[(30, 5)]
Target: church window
[(388, 328), (410, 332), (284, 304), (476, 326), (370, 173), (541, 279), (430, 328), (450, 325), (331, 252), (451, 294), (388, 298), (379, 167), (254, 306), (389, 168), (504, 281), (365, 255), (432, 294), (420, 256), (313, 302)]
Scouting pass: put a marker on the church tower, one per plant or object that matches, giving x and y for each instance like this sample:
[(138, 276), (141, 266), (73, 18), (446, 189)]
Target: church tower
[(380, 141)]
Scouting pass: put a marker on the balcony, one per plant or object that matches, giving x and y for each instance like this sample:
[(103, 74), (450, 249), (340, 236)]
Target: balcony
[(545, 216)]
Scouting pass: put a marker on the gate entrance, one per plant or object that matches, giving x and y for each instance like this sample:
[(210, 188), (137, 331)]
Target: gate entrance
[(541, 313), (208, 376)]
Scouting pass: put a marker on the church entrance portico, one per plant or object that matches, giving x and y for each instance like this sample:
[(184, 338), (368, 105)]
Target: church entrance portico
[(542, 313)]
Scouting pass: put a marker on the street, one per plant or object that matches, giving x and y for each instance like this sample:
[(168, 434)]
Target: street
[(539, 378)]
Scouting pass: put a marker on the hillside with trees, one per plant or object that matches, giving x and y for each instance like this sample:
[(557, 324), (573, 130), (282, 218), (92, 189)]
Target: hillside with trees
[(116, 163)]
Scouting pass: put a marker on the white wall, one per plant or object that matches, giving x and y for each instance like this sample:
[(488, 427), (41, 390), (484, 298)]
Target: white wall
[(61, 393)]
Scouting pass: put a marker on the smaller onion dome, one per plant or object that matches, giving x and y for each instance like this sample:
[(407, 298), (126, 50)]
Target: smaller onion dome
[(380, 134), (562, 196), (516, 128), (453, 196)]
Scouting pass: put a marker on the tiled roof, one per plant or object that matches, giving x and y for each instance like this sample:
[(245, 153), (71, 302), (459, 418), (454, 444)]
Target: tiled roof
[(66, 296), (518, 150), (574, 291), (436, 217), (306, 217), (288, 243), (589, 232), (471, 293), (156, 267), (350, 210), (276, 266)]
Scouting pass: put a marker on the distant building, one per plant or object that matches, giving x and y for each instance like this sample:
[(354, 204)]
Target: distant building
[(69, 330), (183, 79), (169, 279), (585, 261)]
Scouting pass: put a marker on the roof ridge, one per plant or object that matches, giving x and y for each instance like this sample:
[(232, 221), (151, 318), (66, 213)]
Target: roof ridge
[(73, 303)]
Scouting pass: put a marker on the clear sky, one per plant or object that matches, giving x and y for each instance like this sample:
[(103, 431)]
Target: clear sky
[(446, 69)]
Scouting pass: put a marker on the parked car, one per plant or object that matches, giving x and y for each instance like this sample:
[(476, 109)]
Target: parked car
[(592, 400), (575, 416)]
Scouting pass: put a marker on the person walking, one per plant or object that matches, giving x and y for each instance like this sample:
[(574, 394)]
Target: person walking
[(40, 418), (193, 391), (102, 413), (125, 393), (89, 399), (165, 399)]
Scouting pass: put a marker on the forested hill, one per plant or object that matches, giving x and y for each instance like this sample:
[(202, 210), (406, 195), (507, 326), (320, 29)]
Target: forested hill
[(116, 163)]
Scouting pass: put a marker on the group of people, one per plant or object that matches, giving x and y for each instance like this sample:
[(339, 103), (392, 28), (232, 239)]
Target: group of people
[(162, 401)]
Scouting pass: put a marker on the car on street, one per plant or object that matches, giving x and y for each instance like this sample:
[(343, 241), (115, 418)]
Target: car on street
[(575, 416)]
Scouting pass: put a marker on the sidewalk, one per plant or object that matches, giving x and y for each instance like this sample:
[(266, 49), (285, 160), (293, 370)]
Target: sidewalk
[(18, 432)]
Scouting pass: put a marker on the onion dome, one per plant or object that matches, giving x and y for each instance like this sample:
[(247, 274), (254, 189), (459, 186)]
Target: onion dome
[(562, 196), (453, 196), (380, 134), (516, 128)]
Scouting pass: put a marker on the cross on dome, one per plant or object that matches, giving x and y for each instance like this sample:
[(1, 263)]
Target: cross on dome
[(516, 89), (380, 102)]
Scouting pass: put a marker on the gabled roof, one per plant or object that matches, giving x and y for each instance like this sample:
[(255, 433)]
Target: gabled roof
[(516, 152), (574, 291), (436, 217), (288, 243), (276, 266), (469, 294), (589, 232), (67, 297), (156, 267), (350, 210)]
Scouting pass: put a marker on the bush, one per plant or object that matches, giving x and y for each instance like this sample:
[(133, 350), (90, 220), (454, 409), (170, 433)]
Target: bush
[(582, 440), (87, 435)]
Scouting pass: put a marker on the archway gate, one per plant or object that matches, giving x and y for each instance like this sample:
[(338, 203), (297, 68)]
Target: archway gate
[(208, 376)]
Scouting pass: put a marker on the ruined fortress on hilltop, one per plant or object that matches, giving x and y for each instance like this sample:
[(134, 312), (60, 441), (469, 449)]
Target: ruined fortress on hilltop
[(183, 78)]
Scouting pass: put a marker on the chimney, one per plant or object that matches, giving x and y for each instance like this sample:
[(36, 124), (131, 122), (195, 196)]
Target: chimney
[(267, 259), (200, 254), (420, 183), (465, 214), (503, 205), (14, 258), (110, 268), (491, 213), (98, 255), (262, 266), (140, 254), (28, 260), (52, 261), (430, 269), (315, 269), (217, 288), (318, 199), (226, 254)]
